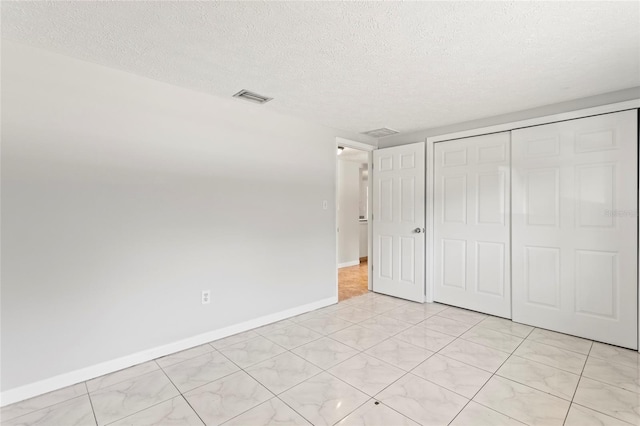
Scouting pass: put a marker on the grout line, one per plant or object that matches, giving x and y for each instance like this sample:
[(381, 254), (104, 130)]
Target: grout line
[(91, 403), (485, 383)]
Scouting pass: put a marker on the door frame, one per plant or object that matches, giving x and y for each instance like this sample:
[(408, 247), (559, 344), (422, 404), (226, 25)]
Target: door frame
[(369, 149), (633, 104)]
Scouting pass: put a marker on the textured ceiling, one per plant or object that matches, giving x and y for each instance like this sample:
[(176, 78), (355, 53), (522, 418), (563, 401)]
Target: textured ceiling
[(351, 65)]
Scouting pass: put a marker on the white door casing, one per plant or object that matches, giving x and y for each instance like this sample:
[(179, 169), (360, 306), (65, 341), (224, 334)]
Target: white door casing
[(398, 221), (472, 223), (575, 227)]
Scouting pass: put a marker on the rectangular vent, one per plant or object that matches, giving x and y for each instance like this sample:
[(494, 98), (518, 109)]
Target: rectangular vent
[(380, 133), (251, 96)]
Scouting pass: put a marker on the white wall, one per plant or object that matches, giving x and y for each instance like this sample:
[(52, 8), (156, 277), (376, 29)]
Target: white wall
[(348, 211), (123, 198)]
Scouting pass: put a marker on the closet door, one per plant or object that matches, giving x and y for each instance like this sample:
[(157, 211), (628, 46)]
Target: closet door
[(575, 229), (471, 224)]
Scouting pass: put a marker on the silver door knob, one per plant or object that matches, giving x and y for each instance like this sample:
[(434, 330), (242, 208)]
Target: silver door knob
[(417, 230)]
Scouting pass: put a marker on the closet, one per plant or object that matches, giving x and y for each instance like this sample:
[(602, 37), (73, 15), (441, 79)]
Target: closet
[(540, 225)]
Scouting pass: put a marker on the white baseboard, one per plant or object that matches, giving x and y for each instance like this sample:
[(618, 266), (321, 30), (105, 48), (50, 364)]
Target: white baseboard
[(67, 379), (351, 263)]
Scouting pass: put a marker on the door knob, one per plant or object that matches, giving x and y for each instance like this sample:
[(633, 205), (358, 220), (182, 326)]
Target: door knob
[(417, 230)]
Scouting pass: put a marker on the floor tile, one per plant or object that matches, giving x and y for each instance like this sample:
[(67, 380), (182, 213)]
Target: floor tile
[(366, 373), (273, 326), (354, 314), (582, 416), (522, 403), (615, 402), (226, 398), (446, 325), (480, 356), (493, 339), (612, 373), (326, 324), (572, 362), (42, 401), (325, 352), (359, 337), (422, 401), (323, 399), (385, 324), (539, 376), (407, 314), (453, 375), (615, 354), (372, 414), (125, 398), (433, 308), (506, 326), (378, 306), (270, 413), (283, 372), (293, 336), (475, 414), (199, 371), (73, 412), (399, 353), (462, 315), (232, 340), (562, 341), (252, 351), (174, 412), (425, 338), (121, 375), (308, 315), (177, 357)]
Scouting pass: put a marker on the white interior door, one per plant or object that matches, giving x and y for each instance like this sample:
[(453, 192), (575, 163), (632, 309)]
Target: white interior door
[(471, 223), (575, 227), (398, 221)]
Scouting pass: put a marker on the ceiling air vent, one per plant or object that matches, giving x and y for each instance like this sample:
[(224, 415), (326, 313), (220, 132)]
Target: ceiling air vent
[(380, 133), (251, 96)]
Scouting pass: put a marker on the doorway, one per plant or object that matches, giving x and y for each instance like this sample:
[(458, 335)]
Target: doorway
[(352, 216)]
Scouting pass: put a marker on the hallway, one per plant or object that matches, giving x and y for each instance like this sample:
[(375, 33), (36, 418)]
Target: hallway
[(352, 281)]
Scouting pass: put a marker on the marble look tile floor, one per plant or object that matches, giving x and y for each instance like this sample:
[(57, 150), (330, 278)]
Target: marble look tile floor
[(369, 360)]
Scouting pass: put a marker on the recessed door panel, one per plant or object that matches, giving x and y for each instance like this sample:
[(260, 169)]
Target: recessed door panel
[(542, 196), (490, 268), (490, 197), (408, 199), (542, 275), (385, 260), (575, 227), (454, 199), (597, 283), (385, 193), (595, 185), (471, 223), (454, 263)]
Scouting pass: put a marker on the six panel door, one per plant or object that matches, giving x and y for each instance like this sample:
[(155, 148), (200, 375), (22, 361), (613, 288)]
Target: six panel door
[(472, 220), (398, 221), (575, 227)]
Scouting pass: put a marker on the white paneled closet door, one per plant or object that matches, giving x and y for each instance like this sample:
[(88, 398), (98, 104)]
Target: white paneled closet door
[(575, 227), (471, 223)]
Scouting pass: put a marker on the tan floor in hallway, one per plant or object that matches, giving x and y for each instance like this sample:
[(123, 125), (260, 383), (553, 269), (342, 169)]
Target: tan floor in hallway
[(373, 360), (352, 281)]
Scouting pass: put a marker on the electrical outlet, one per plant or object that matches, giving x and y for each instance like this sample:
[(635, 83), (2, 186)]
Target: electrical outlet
[(206, 297)]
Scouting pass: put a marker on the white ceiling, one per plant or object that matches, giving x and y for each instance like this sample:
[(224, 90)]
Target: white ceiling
[(355, 66)]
